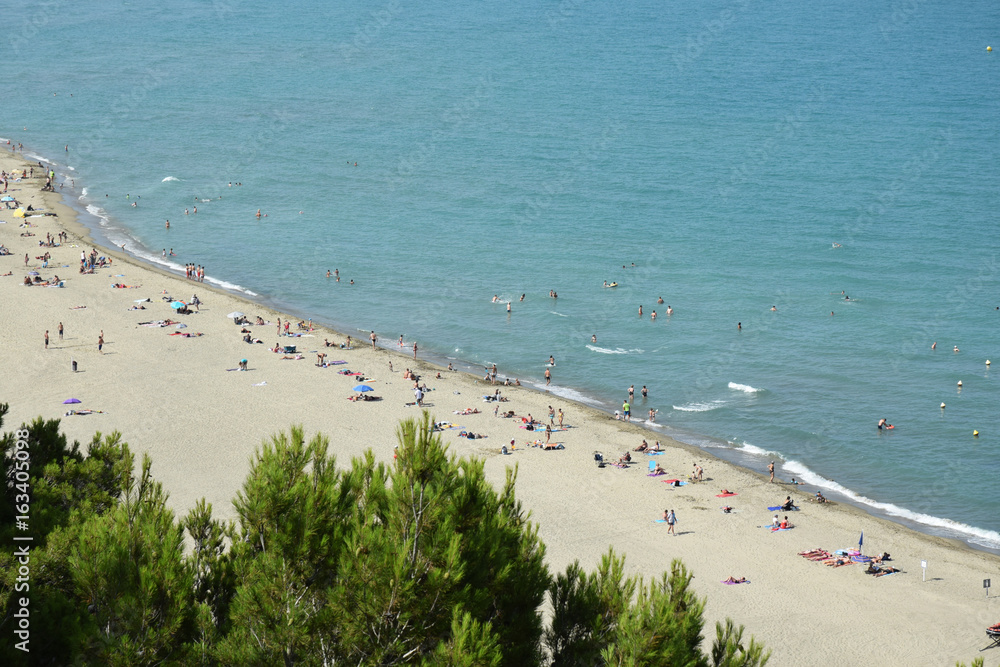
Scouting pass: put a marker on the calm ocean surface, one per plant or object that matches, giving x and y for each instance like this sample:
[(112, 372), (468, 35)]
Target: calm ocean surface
[(724, 148)]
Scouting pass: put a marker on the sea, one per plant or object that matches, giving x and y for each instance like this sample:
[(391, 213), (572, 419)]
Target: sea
[(811, 189)]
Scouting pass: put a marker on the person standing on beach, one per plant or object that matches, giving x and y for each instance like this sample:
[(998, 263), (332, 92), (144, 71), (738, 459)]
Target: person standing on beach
[(626, 411), (60, 331), (46, 339), (552, 415), (414, 350), (560, 417), (671, 520), (548, 377), (100, 342), (770, 469), (373, 338)]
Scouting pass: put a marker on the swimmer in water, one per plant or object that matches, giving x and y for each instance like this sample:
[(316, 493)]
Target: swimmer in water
[(640, 311), (660, 300), (934, 345), (670, 311), (956, 348), (774, 308), (593, 339)]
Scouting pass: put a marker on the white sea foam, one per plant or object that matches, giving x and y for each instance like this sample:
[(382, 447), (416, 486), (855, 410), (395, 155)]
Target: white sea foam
[(980, 536), (99, 213), (617, 350), (559, 314), (754, 450), (744, 387), (699, 407), (170, 178)]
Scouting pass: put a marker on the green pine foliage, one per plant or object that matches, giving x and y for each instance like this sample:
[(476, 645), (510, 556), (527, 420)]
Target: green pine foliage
[(422, 562)]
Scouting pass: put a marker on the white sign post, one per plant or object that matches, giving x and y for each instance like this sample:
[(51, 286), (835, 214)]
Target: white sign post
[(923, 564)]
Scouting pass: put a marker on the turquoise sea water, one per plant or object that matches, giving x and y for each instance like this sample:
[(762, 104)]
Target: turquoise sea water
[(516, 148)]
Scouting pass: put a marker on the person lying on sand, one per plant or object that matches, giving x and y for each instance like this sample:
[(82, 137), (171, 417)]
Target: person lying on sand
[(734, 580), (294, 358), (84, 412)]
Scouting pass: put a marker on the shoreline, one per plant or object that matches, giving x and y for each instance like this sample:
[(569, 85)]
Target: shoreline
[(725, 450), (172, 398)]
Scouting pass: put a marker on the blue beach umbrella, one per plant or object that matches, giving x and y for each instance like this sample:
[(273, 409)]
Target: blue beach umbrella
[(363, 387), (861, 540), (177, 304), (71, 400)]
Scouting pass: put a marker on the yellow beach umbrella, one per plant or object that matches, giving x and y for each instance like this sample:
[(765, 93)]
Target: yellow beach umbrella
[(19, 213)]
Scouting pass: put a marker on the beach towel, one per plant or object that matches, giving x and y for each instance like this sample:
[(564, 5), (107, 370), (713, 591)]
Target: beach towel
[(733, 583), (674, 482), (777, 508), (652, 453), (335, 363), (660, 521), (553, 445), (259, 384), (861, 559), (778, 530), (725, 495), (656, 474)]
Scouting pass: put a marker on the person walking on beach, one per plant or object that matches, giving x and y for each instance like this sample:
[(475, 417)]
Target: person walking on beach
[(548, 433), (414, 350), (560, 417), (552, 415), (100, 342), (46, 339), (548, 377), (671, 520), (373, 338), (60, 331), (626, 410), (770, 469)]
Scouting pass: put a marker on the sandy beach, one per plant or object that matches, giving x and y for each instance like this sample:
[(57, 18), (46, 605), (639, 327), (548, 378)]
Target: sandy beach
[(176, 395)]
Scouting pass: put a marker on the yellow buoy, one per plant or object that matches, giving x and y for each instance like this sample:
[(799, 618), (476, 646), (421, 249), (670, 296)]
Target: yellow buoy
[(989, 48), (987, 362), (942, 406), (975, 434), (959, 383)]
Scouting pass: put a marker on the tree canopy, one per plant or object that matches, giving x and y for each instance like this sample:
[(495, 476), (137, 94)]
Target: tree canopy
[(419, 562)]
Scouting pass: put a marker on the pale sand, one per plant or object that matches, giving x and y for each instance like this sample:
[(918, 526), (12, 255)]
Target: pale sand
[(172, 397)]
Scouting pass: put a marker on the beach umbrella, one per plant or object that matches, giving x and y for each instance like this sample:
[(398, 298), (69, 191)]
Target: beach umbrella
[(19, 213), (71, 400), (7, 198), (861, 540), (235, 314), (177, 304), (32, 273), (363, 387)]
